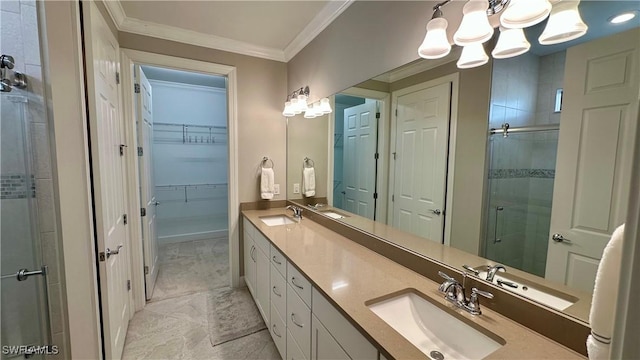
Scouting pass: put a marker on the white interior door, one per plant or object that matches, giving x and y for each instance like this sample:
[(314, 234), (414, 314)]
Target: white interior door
[(595, 145), (360, 130), (144, 119), (421, 147), (108, 166)]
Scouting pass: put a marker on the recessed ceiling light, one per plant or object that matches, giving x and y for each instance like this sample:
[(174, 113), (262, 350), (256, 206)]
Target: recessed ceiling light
[(624, 17)]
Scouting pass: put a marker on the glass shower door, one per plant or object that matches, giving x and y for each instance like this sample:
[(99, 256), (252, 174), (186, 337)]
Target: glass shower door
[(521, 176), (23, 308)]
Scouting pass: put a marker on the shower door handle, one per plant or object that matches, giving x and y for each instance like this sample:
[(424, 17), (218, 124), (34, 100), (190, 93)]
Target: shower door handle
[(24, 274), (495, 228)]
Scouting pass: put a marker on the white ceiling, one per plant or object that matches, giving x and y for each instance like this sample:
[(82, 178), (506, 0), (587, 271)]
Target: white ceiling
[(269, 29)]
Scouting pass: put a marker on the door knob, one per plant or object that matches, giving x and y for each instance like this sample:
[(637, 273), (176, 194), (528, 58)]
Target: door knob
[(110, 252), (559, 238), (436, 211)]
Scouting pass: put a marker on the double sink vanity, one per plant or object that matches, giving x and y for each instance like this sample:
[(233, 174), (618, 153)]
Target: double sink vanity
[(324, 296)]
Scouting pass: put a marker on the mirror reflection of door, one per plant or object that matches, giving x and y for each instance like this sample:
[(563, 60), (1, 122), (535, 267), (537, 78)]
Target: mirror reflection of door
[(421, 147), (360, 144)]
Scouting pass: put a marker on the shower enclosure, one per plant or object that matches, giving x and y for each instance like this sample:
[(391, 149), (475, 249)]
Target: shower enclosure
[(520, 192), (24, 304)]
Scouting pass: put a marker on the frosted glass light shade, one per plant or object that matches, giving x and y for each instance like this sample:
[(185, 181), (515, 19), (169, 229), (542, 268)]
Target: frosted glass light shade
[(288, 109), (511, 42), (325, 107), (302, 103), (475, 27), (524, 13), (564, 24), (472, 56), (435, 44)]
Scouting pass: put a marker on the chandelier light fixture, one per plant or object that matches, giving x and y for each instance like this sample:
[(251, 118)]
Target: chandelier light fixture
[(564, 24), (297, 103)]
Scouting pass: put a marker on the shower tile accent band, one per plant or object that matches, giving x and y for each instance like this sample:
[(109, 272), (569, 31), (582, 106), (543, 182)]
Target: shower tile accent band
[(15, 187), (522, 173)]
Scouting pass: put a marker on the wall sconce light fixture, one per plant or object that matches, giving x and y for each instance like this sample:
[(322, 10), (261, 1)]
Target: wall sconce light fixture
[(297, 103)]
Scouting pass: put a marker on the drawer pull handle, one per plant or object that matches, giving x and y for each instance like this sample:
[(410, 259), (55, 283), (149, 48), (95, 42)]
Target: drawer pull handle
[(275, 260), (293, 281), (275, 292), (293, 320), (275, 332)]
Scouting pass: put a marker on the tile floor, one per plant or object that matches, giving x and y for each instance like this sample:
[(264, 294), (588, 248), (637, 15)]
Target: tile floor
[(174, 325)]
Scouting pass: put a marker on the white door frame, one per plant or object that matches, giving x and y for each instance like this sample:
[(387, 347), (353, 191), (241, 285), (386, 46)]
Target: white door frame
[(454, 79), (128, 58), (383, 146)]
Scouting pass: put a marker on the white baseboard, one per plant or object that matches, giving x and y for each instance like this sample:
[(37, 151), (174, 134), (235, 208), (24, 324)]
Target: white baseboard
[(193, 236)]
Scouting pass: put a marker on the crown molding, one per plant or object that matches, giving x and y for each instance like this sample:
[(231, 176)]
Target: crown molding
[(320, 22), (173, 33), (136, 26)]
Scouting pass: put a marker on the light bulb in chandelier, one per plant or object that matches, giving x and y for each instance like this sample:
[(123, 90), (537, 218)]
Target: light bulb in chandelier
[(512, 42), (475, 27), (325, 107), (520, 14), (565, 24), (288, 110), (435, 44), (472, 56)]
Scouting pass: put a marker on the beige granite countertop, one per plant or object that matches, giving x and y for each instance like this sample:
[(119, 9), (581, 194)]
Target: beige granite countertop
[(329, 259)]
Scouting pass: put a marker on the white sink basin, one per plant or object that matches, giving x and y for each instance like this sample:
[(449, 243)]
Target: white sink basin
[(433, 330), (333, 215), (275, 220), (534, 293)]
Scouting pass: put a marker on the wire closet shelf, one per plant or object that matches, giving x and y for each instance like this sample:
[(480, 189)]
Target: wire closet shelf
[(189, 134)]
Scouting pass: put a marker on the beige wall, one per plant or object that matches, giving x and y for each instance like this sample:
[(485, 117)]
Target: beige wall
[(261, 93), (307, 138), (366, 40)]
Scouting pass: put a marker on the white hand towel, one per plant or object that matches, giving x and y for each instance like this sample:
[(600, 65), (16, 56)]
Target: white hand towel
[(308, 181), (266, 183), (597, 350), (603, 304)]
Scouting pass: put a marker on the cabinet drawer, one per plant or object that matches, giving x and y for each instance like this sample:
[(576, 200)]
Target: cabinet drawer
[(293, 350), (278, 332), (248, 228), (262, 242), (279, 261), (299, 321), (278, 291), (351, 340), (299, 283)]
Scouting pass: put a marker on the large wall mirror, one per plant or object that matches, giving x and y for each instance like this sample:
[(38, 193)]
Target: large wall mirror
[(523, 162)]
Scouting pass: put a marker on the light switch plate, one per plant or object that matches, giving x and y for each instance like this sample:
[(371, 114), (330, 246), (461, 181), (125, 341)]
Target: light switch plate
[(296, 188), (276, 189)]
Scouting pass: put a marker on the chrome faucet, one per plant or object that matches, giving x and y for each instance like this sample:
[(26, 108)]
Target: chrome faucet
[(491, 272), (454, 292), (297, 212)]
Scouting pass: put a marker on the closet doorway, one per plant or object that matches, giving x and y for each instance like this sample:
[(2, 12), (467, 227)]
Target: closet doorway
[(181, 120)]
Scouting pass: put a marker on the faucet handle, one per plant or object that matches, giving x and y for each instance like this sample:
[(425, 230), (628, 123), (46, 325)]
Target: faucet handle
[(475, 292), (473, 305), (471, 270), (446, 277)]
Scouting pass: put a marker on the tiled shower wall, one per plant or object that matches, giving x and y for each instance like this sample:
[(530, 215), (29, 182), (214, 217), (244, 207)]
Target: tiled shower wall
[(19, 38), (523, 165)]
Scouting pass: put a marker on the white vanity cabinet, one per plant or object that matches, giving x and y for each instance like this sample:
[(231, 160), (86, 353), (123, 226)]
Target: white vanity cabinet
[(302, 322), (257, 269)]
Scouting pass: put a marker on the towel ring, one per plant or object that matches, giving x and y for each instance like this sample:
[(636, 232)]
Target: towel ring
[(308, 161), (265, 159)]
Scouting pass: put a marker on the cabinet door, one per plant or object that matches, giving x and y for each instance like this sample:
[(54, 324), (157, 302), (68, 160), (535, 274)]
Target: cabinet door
[(323, 345), (262, 285), (249, 263)]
